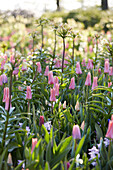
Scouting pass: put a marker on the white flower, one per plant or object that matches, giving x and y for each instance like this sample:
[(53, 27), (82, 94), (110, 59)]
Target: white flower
[(8, 66), (78, 161)]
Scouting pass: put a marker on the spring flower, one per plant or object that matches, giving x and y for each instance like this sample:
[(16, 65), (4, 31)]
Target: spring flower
[(77, 108), (56, 89), (109, 84), (68, 165), (60, 104), (4, 78), (48, 125), (46, 71), (83, 62), (94, 82), (88, 79), (99, 71), (41, 120), (23, 165), (64, 105), (109, 133), (55, 80), (78, 69), (93, 153), (8, 67), (6, 94), (72, 83), (76, 132), (106, 67), (34, 142), (9, 159), (50, 78), (78, 161), (52, 95), (39, 67), (90, 64), (28, 94), (111, 71), (7, 103)]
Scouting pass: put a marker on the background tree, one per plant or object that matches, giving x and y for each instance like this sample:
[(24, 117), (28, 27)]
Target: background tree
[(104, 4), (58, 5)]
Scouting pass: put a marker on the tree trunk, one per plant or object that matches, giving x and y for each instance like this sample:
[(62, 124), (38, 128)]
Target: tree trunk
[(104, 4), (58, 5)]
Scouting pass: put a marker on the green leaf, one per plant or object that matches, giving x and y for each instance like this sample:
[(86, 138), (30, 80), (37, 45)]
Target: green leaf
[(79, 147), (99, 131), (46, 134), (19, 166), (47, 166)]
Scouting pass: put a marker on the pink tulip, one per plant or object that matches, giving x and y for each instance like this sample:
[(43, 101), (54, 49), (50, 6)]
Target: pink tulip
[(106, 67), (28, 94), (109, 133), (88, 79), (78, 69), (83, 62), (39, 67), (90, 64), (34, 142), (68, 165), (72, 83), (55, 80), (90, 49), (94, 82), (76, 132), (52, 95), (46, 71), (56, 89), (6, 94), (41, 120), (111, 71), (2, 64), (109, 84), (77, 108), (50, 78), (7, 103), (99, 71)]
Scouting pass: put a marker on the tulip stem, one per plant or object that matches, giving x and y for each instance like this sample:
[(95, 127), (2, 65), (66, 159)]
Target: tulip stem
[(63, 60), (73, 52)]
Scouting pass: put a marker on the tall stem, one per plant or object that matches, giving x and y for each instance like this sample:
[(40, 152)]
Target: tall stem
[(42, 36), (73, 51), (54, 52), (63, 59)]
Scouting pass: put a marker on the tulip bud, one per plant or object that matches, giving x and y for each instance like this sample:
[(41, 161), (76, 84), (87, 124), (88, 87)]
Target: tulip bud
[(88, 79), (72, 83), (77, 108), (28, 94), (52, 95), (41, 120), (106, 67), (39, 67), (34, 142), (46, 71), (50, 78), (64, 105), (76, 132), (78, 69), (94, 82)]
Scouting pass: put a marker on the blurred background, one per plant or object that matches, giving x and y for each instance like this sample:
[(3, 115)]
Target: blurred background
[(38, 7)]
